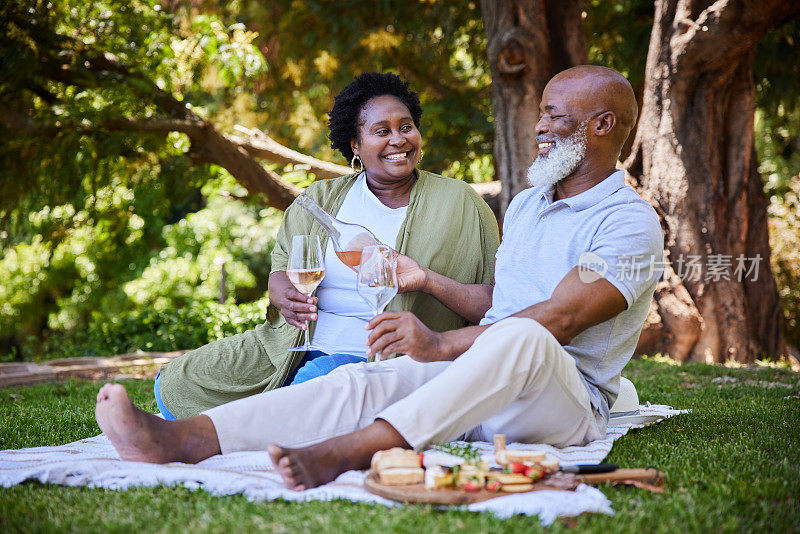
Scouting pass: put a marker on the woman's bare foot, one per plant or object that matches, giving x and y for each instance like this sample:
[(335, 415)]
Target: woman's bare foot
[(138, 436)]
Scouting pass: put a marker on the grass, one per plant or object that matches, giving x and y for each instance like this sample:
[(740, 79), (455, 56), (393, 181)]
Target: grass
[(732, 465)]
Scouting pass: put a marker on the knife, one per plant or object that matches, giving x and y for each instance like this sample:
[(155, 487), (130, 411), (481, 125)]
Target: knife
[(584, 469)]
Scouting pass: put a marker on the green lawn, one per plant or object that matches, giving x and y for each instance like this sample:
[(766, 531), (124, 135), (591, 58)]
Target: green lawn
[(731, 465)]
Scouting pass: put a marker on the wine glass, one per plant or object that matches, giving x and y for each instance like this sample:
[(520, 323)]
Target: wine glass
[(376, 282), (306, 270)]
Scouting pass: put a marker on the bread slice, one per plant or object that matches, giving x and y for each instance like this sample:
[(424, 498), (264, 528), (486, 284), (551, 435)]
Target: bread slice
[(395, 457), (523, 456), (516, 488), (401, 476), (509, 478)]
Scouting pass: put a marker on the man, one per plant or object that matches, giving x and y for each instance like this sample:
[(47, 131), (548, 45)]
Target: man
[(543, 365)]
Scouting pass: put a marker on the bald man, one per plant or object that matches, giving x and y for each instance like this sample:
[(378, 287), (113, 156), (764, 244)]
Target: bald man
[(575, 274)]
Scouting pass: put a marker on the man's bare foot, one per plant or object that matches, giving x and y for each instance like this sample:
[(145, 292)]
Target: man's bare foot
[(319, 464), (138, 436), (309, 467)]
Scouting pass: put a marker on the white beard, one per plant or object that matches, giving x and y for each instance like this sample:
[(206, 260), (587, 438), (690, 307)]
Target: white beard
[(560, 161)]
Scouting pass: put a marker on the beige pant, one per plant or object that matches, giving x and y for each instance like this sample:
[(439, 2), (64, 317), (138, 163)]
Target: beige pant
[(516, 379)]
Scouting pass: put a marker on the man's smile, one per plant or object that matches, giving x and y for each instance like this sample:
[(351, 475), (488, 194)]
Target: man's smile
[(545, 146)]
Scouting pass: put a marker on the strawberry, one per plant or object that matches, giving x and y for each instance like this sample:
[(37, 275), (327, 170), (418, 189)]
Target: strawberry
[(494, 485), (518, 467), (472, 485), (534, 472)]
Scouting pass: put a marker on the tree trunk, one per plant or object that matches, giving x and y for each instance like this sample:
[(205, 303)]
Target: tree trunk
[(694, 159), (528, 41)]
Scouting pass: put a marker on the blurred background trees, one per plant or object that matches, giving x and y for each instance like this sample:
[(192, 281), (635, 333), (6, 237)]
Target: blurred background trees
[(125, 188)]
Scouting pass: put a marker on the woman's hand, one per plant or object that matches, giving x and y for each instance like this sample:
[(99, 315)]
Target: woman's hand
[(410, 275), (402, 332), (295, 307)]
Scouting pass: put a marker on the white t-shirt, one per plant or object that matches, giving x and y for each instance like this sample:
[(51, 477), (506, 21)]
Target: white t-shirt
[(343, 314)]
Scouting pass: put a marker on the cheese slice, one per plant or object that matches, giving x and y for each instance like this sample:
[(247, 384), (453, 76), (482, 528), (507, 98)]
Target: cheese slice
[(436, 477), (550, 465)]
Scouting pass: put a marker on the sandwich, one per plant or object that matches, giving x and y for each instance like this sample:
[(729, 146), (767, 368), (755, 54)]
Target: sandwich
[(398, 467)]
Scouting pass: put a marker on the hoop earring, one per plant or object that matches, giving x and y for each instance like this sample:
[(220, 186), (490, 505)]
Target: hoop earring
[(421, 154), (353, 164)]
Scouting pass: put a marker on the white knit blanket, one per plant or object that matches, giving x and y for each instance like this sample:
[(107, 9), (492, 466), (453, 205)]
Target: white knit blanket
[(93, 462)]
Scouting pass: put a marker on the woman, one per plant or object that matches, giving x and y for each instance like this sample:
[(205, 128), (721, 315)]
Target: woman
[(441, 227)]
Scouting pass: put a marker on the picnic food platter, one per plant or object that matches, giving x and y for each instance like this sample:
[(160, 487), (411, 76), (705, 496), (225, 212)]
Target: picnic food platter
[(419, 493), (399, 475)]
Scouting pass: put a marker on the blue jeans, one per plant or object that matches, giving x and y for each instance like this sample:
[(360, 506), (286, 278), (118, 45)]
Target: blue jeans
[(317, 363), (157, 391)]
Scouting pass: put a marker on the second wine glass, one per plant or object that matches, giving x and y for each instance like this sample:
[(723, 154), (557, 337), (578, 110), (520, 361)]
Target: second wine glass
[(376, 279), (306, 270)]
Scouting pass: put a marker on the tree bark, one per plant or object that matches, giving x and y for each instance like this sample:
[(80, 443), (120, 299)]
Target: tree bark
[(528, 41), (693, 157)]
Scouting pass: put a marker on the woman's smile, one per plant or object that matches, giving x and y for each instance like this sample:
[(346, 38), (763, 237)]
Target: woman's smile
[(388, 141), (399, 156)]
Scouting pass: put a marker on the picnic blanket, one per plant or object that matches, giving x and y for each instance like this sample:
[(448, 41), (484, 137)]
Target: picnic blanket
[(93, 462)]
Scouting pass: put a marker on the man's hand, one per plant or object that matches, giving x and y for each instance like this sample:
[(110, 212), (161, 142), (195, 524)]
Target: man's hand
[(295, 307), (410, 275), (402, 332)]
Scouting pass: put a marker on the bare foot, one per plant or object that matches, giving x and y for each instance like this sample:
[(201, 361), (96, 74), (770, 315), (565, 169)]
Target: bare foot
[(138, 436), (319, 464), (308, 467)]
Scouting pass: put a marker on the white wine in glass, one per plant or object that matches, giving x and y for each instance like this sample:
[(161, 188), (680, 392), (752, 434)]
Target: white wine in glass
[(376, 282), (306, 280), (306, 270)]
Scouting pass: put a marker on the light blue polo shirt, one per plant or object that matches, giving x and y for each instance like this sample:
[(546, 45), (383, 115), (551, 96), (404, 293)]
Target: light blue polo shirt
[(543, 240)]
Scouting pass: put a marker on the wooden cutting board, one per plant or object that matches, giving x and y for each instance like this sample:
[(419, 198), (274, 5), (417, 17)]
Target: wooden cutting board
[(418, 493)]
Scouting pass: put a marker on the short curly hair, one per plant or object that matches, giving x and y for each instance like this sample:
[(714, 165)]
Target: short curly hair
[(347, 106)]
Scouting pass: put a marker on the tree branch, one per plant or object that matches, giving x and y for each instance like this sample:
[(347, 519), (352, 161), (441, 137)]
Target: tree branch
[(76, 68), (77, 65), (726, 29), (260, 145)]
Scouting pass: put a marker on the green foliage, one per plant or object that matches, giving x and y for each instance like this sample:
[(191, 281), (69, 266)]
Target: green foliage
[(109, 280), (189, 267), (315, 48), (72, 265), (467, 451), (150, 329), (731, 466), (85, 210), (784, 235), (68, 90), (617, 36), (778, 100)]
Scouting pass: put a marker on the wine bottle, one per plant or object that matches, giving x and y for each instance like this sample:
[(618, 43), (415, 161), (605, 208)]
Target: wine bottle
[(349, 239)]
